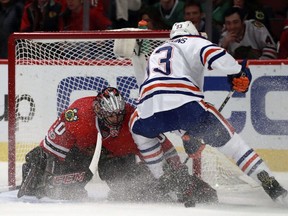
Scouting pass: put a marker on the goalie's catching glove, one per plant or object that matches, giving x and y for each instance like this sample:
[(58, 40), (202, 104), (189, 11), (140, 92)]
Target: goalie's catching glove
[(240, 82)]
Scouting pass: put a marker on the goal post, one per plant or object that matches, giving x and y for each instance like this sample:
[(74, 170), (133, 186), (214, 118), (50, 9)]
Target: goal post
[(48, 71)]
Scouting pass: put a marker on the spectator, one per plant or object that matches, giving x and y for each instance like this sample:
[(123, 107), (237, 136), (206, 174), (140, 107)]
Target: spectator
[(10, 19), (254, 10), (246, 39), (41, 15), (151, 16), (124, 13), (193, 12), (72, 18), (171, 11), (283, 42), (219, 8)]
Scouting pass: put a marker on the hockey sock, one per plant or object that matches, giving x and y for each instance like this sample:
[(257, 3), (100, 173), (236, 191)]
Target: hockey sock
[(244, 156)]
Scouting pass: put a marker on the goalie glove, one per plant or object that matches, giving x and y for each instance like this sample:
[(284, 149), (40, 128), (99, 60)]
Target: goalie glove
[(240, 82)]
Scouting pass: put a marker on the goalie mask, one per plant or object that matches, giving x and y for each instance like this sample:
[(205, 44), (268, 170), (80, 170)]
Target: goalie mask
[(110, 109)]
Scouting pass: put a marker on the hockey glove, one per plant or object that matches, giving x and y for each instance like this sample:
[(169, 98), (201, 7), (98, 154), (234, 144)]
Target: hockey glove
[(193, 147), (240, 82)]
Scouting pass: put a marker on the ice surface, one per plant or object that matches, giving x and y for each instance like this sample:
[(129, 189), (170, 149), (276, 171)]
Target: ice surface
[(234, 202)]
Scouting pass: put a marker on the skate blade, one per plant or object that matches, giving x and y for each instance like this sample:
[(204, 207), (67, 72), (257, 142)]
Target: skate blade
[(282, 200)]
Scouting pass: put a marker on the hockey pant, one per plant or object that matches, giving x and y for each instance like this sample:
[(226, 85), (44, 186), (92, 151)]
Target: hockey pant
[(203, 122)]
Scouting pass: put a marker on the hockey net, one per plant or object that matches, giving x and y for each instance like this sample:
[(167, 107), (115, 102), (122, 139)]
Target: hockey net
[(48, 71)]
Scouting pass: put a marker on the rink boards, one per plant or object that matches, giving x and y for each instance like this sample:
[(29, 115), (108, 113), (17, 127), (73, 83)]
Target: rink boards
[(260, 115)]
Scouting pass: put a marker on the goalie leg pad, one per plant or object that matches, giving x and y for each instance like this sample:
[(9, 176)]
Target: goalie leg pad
[(67, 179), (69, 186), (45, 176), (33, 172)]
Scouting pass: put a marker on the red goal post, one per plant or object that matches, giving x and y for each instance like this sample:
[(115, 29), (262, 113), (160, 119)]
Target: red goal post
[(47, 71)]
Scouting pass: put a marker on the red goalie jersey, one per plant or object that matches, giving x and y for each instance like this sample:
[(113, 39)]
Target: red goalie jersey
[(78, 126)]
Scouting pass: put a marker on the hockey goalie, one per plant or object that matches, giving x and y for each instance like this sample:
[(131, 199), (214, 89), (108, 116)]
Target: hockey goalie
[(59, 167)]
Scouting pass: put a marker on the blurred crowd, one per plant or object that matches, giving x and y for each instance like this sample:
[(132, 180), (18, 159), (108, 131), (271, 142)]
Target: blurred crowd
[(253, 29)]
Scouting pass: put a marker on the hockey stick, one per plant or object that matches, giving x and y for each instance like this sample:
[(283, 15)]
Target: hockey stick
[(226, 100), (94, 162), (220, 109)]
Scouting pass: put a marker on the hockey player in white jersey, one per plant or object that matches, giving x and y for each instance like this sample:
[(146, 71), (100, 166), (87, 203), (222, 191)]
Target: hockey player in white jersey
[(171, 98)]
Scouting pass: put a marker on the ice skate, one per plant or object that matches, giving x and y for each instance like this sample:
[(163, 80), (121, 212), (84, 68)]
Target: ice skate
[(273, 188)]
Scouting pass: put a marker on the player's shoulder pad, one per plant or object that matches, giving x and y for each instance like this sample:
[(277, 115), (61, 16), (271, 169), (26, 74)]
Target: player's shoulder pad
[(257, 24)]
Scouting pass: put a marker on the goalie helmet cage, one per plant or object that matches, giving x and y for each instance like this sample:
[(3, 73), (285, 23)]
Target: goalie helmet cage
[(47, 71)]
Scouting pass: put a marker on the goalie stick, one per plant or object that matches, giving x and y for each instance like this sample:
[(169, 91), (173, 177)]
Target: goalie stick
[(94, 162), (220, 109)]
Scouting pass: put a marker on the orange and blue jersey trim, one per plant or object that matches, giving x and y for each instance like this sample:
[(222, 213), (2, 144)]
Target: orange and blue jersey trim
[(133, 118), (180, 86), (210, 53)]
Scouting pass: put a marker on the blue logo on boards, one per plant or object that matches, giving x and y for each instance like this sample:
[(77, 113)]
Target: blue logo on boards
[(258, 91)]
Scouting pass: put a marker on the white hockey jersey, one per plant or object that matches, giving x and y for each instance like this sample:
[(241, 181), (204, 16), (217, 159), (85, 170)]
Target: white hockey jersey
[(257, 43), (175, 73)]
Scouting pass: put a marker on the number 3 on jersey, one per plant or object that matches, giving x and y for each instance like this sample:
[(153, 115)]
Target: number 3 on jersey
[(166, 68)]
